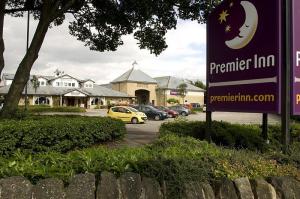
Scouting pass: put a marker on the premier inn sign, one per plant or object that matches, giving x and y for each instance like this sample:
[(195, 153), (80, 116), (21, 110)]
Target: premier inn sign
[(244, 56)]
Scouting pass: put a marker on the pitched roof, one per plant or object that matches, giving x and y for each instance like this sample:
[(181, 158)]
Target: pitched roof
[(135, 75), (96, 91), (170, 82), (9, 76)]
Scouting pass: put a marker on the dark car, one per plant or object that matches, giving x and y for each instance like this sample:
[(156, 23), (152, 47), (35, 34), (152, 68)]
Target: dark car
[(196, 105), (181, 110), (171, 113), (151, 112)]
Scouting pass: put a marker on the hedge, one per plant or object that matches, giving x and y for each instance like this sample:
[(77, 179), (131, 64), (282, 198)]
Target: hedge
[(171, 159), (46, 108), (230, 135), (57, 133)]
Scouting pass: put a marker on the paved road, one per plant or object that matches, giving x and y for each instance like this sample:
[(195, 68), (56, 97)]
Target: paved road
[(140, 134)]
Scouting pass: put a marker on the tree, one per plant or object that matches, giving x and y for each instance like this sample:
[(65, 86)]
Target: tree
[(182, 91), (35, 83), (100, 25), (199, 84)]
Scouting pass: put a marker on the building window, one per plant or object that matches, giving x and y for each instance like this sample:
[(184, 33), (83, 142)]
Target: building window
[(42, 100), (57, 83), (95, 101), (70, 84), (73, 84), (66, 84)]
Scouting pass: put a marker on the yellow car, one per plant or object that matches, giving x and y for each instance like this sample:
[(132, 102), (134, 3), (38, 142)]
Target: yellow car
[(127, 114)]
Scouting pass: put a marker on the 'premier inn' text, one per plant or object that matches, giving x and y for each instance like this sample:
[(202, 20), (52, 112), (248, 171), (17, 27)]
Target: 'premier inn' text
[(245, 64)]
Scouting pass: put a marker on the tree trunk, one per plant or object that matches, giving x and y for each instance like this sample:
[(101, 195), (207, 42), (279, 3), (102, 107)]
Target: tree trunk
[(2, 47), (23, 73)]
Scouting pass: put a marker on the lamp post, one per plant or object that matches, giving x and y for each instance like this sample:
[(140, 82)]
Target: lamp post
[(27, 44)]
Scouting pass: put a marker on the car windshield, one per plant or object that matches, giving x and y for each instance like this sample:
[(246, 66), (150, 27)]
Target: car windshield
[(132, 109)]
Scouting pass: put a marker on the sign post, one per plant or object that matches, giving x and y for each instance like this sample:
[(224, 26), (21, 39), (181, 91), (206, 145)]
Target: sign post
[(286, 78)]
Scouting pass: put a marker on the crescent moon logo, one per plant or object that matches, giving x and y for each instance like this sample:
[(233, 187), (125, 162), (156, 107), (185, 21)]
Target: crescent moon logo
[(248, 30)]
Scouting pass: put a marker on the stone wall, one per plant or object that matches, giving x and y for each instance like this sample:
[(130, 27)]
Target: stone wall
[(133, 186)]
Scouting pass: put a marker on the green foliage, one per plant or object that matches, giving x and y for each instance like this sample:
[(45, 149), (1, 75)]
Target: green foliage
[(173, 101), (199, 84), (172, 159), (47, 108), (182, 91), (56, 133), (223, 134)]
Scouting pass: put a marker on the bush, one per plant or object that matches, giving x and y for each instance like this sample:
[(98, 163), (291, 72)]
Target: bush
[(46, 108), (57, 133), (224, 134), (171, 159), (173, 101)]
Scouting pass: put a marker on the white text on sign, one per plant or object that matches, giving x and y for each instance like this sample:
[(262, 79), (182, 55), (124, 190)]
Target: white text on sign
[(297, 58)]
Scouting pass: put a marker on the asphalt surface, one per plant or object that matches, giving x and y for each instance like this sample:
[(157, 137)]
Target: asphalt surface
[(141, 134)]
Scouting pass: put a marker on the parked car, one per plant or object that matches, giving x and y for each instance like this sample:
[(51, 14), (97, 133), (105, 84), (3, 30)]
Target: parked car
[(196, 105), (151, 112), (171, 113), (127, 114), (181, 110)]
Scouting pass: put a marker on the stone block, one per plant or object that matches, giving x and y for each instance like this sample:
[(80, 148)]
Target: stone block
[(108, 187), (131, 186), (151, 189), (15, 188), (197, 190), (286, 187), (82, 186), (262, 189), (244, 189), (49, 189), (225, 190)]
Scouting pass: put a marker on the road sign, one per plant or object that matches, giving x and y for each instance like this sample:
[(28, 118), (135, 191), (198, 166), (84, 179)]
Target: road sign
[(244, 56)]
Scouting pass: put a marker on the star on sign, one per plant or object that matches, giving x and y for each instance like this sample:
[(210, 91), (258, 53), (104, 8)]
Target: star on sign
[(228, 28), (231, 4), (223, 16)]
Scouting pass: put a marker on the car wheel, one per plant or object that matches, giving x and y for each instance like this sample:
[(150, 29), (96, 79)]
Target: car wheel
[(134, 120), (157, 117), (183, 113)]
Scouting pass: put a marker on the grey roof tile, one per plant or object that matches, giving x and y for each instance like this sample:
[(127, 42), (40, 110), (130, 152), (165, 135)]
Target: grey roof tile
[(170, 82), (97, 91), (135, 75)]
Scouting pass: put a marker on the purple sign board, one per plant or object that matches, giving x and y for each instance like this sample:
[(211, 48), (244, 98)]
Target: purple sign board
[(296, 57), (244, 56), (174, 92)]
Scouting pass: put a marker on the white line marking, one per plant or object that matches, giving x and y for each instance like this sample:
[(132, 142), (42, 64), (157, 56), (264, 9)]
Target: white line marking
[(297, 80), (242, 82)]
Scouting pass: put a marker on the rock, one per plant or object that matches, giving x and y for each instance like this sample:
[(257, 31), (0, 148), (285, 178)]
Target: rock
[(244, 188), (131, 186), (262, 189), (286, 187), (195, 190), (82, 186), (225, 190), (108, 187), (49, 188), (15, 188), (151, 189)]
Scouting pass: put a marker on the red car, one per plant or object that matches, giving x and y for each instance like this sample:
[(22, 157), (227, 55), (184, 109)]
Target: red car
[(170, 112)]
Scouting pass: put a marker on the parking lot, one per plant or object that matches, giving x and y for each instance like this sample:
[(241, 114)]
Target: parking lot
[(140, 134)]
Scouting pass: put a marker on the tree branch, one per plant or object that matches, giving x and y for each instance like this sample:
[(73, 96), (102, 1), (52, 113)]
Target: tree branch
[(23, 9)]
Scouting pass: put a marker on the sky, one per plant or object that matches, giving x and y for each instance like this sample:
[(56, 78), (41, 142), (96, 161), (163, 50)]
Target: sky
[(185, 56)]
